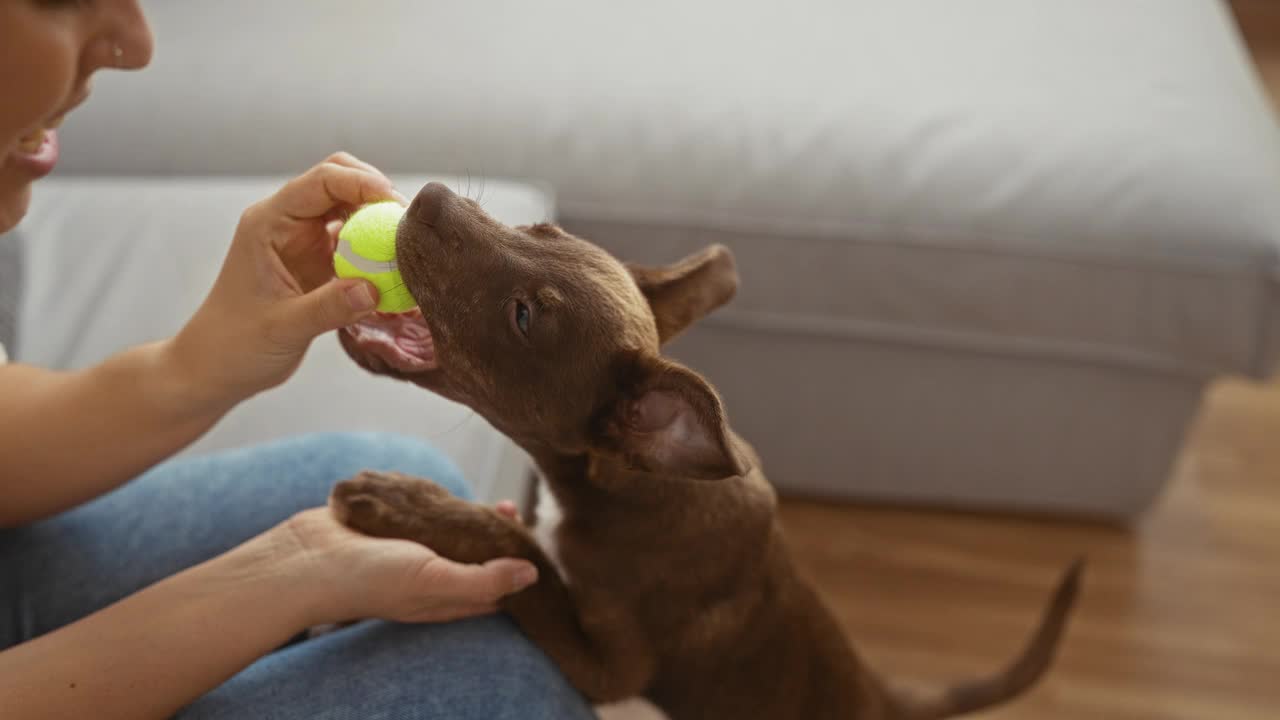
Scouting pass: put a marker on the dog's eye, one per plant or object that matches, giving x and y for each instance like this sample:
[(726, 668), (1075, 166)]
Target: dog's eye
[(521, 316)]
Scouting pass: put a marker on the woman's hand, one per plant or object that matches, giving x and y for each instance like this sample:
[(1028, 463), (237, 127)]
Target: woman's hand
[(277, 290), (354, 576), (309, 570)]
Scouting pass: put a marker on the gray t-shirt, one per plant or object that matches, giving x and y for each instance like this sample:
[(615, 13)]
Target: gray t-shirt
[(10, 286)]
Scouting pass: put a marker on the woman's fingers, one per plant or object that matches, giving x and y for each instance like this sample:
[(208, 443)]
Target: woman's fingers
[(335, 304), (351, 161), (329, 186), (508, 509), (331, 229), (455, 612), (479, 584)]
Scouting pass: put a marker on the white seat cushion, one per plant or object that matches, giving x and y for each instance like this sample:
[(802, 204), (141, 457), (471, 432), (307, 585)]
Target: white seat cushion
[(113, 263)]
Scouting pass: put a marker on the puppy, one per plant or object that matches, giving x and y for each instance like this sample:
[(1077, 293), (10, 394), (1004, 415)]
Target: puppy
[(666, 574)]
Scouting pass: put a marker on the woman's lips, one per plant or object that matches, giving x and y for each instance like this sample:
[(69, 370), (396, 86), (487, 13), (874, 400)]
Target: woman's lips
[(37, 153)]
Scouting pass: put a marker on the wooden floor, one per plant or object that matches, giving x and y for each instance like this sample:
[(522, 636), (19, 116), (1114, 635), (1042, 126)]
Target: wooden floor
[(1180, 617)]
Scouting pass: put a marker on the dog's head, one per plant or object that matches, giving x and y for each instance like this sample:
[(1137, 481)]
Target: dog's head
[(552, 340)]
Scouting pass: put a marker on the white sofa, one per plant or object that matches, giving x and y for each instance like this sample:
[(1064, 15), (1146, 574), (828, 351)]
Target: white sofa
[(991, 251)]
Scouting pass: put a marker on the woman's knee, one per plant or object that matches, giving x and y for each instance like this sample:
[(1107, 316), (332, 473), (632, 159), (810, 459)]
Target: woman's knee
[(497, 672)]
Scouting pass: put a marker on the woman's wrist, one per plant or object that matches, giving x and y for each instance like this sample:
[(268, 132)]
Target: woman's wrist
[(232, 610), (189, 383), (280, 569)]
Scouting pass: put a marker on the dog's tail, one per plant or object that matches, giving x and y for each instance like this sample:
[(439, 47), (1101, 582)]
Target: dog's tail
[(1021, 674)]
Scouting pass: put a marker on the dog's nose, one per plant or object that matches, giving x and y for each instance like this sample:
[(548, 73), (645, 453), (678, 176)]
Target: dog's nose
[(429, 203)]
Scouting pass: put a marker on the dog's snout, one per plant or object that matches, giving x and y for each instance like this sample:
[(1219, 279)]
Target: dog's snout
[(430, 202)]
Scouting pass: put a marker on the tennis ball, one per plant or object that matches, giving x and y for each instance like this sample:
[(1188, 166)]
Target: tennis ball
[(367, 249)]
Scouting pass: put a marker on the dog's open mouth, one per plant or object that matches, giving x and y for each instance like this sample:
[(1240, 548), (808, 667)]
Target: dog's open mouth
[(400, 340)]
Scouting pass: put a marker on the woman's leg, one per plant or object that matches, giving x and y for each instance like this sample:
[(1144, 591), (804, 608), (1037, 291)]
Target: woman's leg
[(186, 511), (178, 515), (481, 669)]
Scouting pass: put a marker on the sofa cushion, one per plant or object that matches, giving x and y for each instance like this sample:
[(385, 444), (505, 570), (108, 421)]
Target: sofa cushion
[(1089, 180), (118, 262)]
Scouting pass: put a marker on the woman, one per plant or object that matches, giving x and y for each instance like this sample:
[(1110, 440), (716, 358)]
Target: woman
[(167, 594)]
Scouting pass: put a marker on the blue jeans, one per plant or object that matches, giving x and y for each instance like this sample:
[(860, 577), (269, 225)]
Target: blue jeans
[(186, 511)]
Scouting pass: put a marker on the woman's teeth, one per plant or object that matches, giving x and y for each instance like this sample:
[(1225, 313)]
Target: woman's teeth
[(31, 143)]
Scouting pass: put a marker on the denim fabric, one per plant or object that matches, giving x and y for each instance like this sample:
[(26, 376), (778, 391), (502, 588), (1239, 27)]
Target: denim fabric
[(185, 511)]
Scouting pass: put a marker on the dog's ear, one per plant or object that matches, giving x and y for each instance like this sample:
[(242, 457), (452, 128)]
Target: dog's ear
[(682, 293), (668, 419)]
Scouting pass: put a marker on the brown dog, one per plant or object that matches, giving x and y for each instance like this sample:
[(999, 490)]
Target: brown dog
[(670, 577)]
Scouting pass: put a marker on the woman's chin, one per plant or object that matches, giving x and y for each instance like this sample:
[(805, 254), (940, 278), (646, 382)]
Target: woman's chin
[(15, 198)]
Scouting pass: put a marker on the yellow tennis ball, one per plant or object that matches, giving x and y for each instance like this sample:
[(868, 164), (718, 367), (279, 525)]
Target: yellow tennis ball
[(367, 249)]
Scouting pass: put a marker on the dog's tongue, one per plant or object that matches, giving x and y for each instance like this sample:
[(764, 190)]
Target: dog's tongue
[(401, 340)]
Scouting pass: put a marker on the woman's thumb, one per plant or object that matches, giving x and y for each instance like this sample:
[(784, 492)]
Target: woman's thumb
[(336, 304)]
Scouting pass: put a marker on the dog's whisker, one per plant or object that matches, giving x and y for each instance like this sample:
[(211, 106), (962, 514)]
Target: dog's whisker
[(470, 414)]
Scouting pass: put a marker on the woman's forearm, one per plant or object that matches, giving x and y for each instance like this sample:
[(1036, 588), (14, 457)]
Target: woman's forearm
[(67, 437), (154, 652)]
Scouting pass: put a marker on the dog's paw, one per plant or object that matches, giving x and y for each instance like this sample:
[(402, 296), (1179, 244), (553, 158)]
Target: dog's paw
[(391, 505), (385, 504)]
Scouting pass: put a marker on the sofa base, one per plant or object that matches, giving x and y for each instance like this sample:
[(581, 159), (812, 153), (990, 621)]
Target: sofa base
[(880, 421)]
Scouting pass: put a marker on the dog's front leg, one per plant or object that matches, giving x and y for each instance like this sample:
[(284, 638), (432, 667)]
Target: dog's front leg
[(594, 640)]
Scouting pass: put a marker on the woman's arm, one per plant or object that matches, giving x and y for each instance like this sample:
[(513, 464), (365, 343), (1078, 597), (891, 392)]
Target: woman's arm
[(68, 437), (152, 653)]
